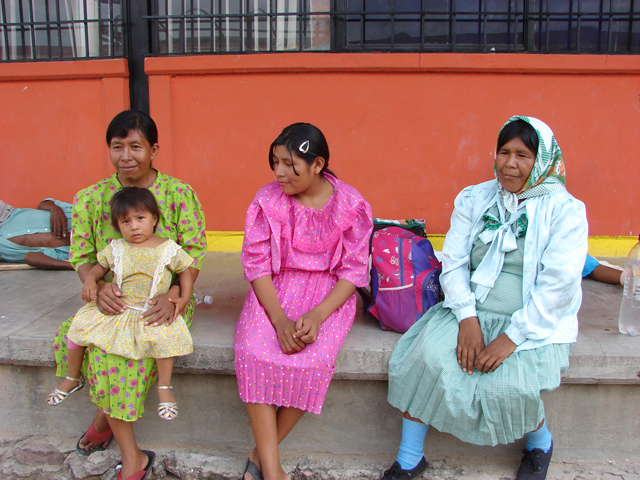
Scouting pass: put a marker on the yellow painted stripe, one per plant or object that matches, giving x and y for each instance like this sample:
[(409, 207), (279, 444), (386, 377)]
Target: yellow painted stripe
[(437, 240), (611, 246), (224, 241), (598, 246)]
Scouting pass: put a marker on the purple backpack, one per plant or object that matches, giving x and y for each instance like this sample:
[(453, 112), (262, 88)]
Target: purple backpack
[(405, 277)]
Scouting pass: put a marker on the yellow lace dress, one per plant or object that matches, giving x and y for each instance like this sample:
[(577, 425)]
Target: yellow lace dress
[(141, 274)]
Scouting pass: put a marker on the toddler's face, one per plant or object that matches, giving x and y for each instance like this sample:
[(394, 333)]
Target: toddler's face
[(137, 226)]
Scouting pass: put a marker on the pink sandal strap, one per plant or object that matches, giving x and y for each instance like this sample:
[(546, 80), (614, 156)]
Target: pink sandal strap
[(139, 475)]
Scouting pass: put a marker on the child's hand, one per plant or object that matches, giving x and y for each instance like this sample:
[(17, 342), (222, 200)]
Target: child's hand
[(307, 327), (179, 304), (89, 291)]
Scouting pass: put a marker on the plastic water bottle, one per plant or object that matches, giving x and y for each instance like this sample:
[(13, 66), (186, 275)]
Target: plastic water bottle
[(202, 299), (629, 319)]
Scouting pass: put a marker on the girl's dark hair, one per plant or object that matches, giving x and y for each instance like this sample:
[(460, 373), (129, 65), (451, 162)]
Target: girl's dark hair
[(129, 120), (306, 142), (129, 198), (522, 130)]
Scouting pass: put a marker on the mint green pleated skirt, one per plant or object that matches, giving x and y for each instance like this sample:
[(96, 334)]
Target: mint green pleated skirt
[(426, 380)]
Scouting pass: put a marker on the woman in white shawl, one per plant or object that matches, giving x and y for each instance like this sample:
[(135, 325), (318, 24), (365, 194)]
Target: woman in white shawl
[(475, 365)]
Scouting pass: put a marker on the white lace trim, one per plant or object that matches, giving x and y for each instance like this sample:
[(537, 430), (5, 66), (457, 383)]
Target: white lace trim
[(117, 247), (168, 252)]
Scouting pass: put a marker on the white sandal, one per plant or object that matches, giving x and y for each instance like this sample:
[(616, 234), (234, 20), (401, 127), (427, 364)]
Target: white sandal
[(56, 397), (167, 410)]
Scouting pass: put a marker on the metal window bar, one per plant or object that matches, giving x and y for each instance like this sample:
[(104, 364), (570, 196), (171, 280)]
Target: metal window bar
[(258, 25), (37, 30), (64, 29)]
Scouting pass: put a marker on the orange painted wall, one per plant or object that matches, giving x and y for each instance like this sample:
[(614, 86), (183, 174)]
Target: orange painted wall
[(408, 130), (52, 126)]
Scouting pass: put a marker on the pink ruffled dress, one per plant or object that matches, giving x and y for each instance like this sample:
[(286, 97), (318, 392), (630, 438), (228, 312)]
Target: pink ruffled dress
[(306, 251)]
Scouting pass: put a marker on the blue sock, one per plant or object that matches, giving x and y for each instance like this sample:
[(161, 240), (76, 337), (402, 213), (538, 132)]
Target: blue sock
[(541, 438), (412, 444)]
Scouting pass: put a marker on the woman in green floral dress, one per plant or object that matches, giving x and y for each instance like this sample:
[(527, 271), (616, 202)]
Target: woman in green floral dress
[(117, 385)]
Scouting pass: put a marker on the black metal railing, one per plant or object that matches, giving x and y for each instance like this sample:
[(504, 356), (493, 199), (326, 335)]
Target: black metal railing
[(225, 26), (71, 29), (244, 26), (61, 29)]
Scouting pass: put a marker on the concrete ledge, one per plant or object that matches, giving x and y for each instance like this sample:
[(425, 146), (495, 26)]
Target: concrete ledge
[(33, 303), (356, 422)]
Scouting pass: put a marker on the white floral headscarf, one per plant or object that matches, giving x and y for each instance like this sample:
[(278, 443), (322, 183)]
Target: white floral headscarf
[(548, 173)]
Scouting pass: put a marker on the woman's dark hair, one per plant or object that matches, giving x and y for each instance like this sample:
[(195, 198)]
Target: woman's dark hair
[(129, 120), (522, 130), (129, 198), (306, 142)]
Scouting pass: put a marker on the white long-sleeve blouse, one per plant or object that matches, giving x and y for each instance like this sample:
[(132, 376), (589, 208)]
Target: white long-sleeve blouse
[(554, 255)]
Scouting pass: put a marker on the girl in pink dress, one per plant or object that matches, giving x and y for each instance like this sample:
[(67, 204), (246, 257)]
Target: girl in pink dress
[(305, 251)]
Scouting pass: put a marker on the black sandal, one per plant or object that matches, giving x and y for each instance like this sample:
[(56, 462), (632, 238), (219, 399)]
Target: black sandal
[(253, 470)]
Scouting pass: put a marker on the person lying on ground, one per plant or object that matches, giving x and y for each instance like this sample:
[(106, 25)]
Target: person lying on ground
[(602, 273), (38, 237)]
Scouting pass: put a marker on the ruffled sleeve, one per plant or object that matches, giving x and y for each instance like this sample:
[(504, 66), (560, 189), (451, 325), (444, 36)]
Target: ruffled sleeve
[(256, 249), (354, 264), (180, 261), (105, 257)]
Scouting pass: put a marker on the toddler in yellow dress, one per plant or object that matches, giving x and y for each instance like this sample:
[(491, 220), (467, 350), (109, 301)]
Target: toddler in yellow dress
[(142, 264)]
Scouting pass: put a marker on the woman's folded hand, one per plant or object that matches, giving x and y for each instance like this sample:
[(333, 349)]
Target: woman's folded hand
[(494, 354), (161, 311), (308, 326), (179, 304), (108, 299), (286, 330), (470, 343)]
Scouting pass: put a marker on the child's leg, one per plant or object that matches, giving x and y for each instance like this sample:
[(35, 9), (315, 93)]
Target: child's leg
[(75, 357), (71, 382), (165, 394), (286, 419), (264, 424), (165, 369)]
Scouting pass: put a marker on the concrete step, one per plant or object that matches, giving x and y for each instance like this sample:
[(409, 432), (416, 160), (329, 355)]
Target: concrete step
[(594, 415)]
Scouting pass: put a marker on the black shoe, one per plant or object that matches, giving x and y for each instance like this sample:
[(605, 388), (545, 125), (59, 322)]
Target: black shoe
[(397, 473), (534, 464)]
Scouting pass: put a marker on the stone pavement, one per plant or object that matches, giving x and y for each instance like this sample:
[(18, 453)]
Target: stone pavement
[(55, 458)]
